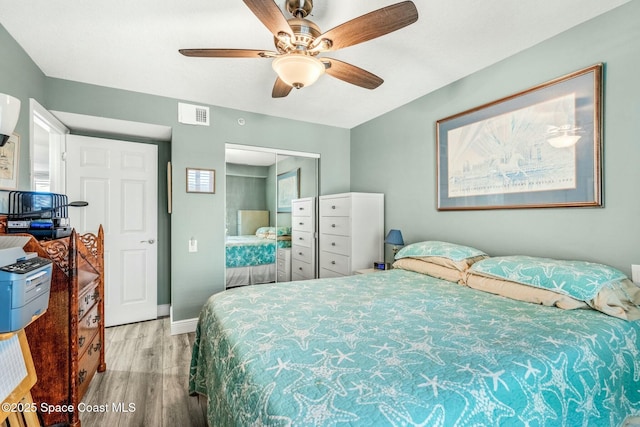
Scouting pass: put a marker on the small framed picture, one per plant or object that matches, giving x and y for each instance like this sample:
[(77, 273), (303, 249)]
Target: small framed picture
[(9, 157), (201, 180)]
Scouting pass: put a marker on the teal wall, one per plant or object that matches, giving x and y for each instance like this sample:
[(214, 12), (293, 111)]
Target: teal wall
[(395, 153), (194, 276), (244, 193)]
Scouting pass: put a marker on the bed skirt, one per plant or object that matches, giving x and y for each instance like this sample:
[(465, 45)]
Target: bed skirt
[(241, 276)]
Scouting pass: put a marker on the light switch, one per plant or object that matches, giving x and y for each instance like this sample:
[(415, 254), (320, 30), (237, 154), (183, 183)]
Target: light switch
[(193, 245)]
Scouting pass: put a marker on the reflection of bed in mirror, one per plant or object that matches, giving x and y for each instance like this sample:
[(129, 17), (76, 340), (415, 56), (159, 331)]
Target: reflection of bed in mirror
[(251, 255)]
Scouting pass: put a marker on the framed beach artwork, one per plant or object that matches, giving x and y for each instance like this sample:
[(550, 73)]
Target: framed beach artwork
[(537, 148), (9, 160), (288, 189)]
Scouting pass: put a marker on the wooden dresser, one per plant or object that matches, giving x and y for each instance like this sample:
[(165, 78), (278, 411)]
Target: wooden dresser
[(351, 232), (67, 341), (303, 240)]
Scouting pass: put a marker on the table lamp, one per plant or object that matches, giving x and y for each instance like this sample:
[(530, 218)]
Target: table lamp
[(394, 237)]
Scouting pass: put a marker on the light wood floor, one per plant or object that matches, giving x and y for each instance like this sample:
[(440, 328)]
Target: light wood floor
[(149, 368)]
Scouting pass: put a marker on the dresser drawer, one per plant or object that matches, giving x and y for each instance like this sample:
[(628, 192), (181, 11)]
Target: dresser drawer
[(302, 238), (88, 364), (297, 277), (87, 299), (302, 208), (302, 223), (284, 276), (324, 273), (334, 262), (340, 206), (335, 244), (302, 268), (339, 225), (302, 253), (283, 254), (88, 326)]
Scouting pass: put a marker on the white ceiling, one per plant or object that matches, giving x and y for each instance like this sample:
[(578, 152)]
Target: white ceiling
[(133, 45)]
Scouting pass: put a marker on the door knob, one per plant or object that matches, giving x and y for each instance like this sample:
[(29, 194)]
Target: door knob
[(150, 241)]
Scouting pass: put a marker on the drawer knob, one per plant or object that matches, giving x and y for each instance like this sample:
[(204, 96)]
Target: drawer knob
[(300, 253), (300, 238), (333, 207), (300, 268), (333, 262), (333, 243), (301, 223), (333, 225)]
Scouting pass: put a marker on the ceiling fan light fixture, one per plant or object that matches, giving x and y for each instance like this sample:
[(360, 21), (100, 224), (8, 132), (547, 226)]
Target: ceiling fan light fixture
[(298, 70)]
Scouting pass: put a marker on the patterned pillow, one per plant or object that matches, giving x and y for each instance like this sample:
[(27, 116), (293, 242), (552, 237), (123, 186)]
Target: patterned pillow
[(263, 232), (578, 279), (433, 248)]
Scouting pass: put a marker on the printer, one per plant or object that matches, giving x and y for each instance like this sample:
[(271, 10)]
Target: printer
[(25, 284)]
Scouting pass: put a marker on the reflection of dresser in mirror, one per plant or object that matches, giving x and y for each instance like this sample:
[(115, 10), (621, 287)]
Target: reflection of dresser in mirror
[(303, 238), (67, 342)]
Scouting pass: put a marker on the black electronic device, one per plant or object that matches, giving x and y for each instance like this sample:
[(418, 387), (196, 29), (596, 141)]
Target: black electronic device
[(379, 265), (43, 215)]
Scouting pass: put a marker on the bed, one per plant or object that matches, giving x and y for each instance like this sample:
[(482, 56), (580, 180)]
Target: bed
[(251, 255), (251, 259), (405, 347)]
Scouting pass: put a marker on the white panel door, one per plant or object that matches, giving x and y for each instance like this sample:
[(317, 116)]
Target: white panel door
[(119, 180)]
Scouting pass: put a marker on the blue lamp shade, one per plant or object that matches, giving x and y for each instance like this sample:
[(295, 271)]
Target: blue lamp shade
[(394, 238)]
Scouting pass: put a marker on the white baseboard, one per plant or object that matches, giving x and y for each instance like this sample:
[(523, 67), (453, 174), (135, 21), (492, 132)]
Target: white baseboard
[(182, 326), (164, 310)]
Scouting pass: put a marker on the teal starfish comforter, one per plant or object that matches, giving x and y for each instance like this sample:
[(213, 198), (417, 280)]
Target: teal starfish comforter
[(398, 348)]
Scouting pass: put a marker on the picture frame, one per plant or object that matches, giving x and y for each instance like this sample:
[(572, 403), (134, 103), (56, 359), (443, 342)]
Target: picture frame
[(201, 180), (9, 162), (288, 188), (537, 148)]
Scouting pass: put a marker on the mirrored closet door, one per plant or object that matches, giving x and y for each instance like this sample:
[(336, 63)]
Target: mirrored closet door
[(262, 185)]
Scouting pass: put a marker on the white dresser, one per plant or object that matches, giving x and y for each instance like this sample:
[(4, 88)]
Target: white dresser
[(303, 238), (351, 232), (284, 264)]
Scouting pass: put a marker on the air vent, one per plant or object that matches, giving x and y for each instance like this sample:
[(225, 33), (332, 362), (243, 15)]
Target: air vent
[(193, 114)]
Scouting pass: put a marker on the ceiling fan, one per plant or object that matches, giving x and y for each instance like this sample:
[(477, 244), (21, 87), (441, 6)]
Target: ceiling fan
[(299, 42)]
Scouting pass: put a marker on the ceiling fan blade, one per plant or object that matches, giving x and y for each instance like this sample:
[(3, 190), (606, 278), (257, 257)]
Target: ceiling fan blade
[(227, 53), (351, 74), (366, 27), (270, 15), (280, 89)]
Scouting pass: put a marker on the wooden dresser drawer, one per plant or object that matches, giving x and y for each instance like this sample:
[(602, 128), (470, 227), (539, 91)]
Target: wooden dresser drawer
[(324, 273), (302, 208), (88, 326), (87, 299), (302, 268), (88, 364), (334, 262), (335, 244), (340, 206), (302, 253), (302, 238), (339, 225), (302, 223)]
